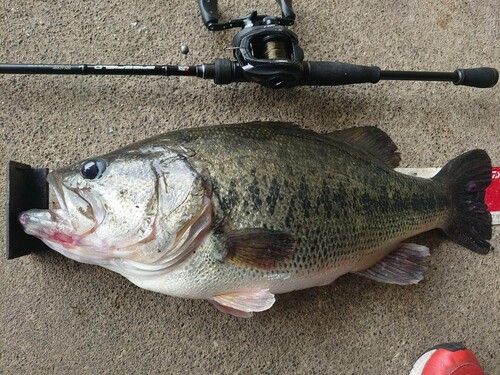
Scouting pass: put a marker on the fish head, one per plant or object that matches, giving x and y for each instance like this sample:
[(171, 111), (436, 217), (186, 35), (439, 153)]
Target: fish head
[(139, 207)]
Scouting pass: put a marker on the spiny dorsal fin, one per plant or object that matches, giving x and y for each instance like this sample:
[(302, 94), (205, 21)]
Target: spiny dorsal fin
[(372, 141), (257, 247)]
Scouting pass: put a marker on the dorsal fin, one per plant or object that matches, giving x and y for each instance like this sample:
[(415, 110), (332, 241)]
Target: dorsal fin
[(371, 141)]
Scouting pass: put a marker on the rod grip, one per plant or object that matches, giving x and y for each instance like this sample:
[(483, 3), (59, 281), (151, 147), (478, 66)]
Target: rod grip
[(324, 73), (477, 77)]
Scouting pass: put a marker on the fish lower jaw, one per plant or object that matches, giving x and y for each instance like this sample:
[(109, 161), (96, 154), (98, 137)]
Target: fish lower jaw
[(55, 239)]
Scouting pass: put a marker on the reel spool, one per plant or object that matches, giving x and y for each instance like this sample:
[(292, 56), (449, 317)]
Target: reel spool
[(269, 55)]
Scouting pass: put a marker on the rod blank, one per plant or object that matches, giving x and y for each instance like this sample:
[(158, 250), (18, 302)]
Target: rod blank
[(87, 69)]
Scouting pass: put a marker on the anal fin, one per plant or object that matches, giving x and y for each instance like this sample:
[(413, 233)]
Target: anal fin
[(244, 304), (403, 266)]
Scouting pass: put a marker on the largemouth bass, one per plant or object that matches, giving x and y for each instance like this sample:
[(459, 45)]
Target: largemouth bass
[(235, 214)]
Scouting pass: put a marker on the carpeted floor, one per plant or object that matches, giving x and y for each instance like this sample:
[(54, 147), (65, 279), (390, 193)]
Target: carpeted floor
[(61, 317)]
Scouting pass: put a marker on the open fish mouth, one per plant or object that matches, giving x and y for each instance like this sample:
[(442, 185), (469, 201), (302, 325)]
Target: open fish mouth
[(69, 228), (66, 225)]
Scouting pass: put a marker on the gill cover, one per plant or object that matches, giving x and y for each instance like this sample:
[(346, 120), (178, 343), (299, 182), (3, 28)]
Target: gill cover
[(131, 210)]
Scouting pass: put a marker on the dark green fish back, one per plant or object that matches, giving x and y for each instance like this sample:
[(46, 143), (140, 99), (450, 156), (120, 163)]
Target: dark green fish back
[(337, 202)]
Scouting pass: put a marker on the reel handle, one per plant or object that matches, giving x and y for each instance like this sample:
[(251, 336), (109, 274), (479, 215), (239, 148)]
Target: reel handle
[(209, 12), (210, 16), (286, 9)]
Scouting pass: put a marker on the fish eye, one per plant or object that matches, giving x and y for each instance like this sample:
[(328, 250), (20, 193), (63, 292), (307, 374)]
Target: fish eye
[(93, 169)]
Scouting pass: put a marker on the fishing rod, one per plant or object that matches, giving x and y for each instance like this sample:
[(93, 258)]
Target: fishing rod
[(268, 53)]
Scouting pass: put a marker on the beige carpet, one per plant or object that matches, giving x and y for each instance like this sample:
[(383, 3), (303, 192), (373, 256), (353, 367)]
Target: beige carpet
[(61, 317)]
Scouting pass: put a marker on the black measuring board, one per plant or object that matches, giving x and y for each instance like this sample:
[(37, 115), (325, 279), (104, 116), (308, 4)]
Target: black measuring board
[(27, 188)]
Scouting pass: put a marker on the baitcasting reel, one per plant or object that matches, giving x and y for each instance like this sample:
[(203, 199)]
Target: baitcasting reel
[(265, 49), (268, 53)]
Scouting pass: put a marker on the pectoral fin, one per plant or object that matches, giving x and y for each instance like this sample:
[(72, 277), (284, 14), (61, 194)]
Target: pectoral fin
[(405, 265), (257, 247), (244, 304)]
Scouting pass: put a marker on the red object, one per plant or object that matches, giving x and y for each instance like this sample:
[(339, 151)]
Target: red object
[(444, 362), (492, 197), (447, 359)]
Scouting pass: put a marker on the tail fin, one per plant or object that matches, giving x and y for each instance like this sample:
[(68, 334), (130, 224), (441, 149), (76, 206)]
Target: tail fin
[(467, 177)]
